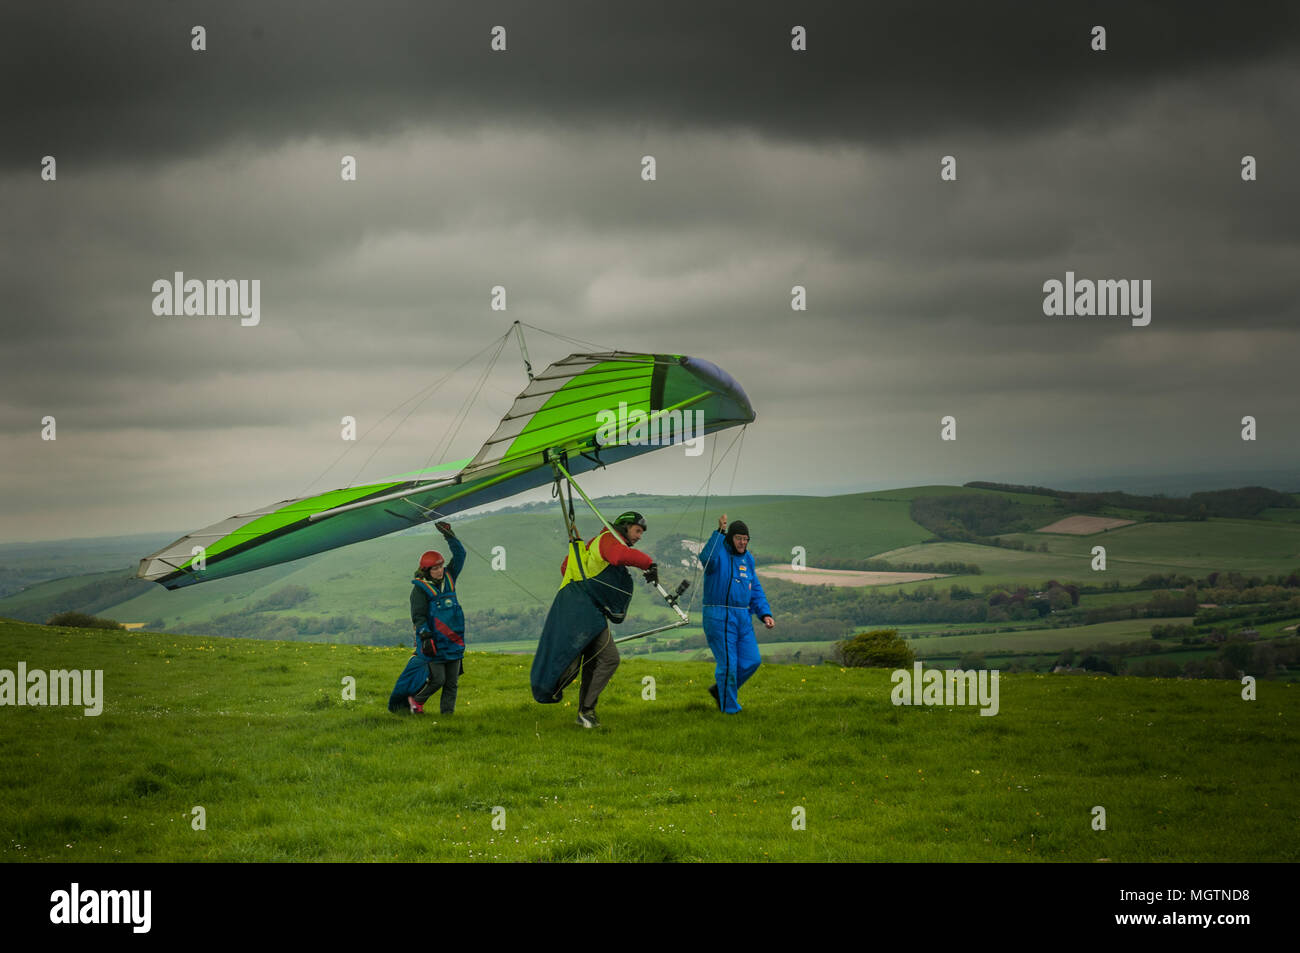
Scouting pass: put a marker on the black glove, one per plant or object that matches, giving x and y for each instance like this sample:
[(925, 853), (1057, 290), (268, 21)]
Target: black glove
[(652, 574), (445, 529)]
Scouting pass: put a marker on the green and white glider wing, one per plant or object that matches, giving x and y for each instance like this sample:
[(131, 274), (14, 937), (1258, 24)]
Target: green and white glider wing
[(597, 409)]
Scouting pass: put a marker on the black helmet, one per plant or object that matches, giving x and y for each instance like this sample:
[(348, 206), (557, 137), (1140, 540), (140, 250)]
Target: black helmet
[(630, 518), (736, 528)]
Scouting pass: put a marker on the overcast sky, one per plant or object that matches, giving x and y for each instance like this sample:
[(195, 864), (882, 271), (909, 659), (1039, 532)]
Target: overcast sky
[(522, 168)]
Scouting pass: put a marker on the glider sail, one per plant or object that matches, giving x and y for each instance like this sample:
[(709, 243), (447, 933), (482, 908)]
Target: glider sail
[(565, 411)]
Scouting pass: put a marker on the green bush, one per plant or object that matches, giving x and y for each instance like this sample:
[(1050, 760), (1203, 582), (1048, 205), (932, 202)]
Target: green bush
[(80, 620), (879, 648), (1156, 668), (285, 598)]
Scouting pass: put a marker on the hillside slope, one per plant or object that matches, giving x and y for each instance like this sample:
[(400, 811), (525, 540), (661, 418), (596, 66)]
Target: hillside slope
[(258, 736)]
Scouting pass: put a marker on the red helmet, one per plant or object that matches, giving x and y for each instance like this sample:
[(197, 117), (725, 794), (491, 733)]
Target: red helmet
[(431, 560)]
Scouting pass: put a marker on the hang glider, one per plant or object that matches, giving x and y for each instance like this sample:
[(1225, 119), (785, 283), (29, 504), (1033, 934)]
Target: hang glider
[(562, 415)]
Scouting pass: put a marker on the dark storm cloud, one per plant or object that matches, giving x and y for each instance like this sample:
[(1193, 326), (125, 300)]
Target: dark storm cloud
[(94, 82), (390, 275), (522, 170)]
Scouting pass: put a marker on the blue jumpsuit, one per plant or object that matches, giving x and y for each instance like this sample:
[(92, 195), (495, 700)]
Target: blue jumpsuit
[(731, 592)]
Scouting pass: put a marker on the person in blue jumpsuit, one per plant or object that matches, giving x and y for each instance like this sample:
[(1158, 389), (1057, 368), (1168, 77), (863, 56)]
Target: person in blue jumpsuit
[(439, 632), (731, 593)]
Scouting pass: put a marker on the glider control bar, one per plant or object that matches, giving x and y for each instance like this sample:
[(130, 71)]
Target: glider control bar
[(640, 635)]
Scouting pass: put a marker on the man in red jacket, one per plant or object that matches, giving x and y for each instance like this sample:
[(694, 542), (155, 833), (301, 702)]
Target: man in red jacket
[(595, 592)]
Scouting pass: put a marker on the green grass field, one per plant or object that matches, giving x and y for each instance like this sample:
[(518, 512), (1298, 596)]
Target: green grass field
[(1196, 547), (1132, 552), (1043, 640), (1029, 638), (257, 734), (1283, 515)]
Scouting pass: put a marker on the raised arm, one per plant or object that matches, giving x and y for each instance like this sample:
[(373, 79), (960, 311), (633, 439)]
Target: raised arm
[(457, 550), (709, 554), (457, 558)]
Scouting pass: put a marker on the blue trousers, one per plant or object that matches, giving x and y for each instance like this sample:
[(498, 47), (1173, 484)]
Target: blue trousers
[(735, 652)]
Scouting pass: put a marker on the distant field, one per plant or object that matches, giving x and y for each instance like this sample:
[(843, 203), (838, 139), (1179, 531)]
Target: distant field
[(1176, 656), (359, 593), (818, 527), (1043, 640), (1200, 547), (1029, 638), (39, 591), (1284, 514), (23, 565), (1132, 553), (1083, 525), (841, 577), (1004, 566), (1100, 600), (907, 494)]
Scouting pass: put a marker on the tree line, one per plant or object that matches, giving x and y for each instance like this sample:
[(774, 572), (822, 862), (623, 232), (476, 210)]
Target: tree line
[(1245, 502)]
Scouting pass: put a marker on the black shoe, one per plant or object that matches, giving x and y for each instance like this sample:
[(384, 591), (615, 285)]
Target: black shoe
[(713, 690), (588, 719)]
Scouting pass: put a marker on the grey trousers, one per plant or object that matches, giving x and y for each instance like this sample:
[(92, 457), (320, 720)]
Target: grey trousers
[(599, 660), (445, 676)]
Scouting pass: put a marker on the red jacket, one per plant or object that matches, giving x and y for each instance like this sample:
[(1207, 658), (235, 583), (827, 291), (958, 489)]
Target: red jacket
[(615, 552)]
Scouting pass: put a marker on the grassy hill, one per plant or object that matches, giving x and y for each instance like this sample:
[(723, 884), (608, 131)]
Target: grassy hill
[(90, 593), (26, 564), (358, 594), (256, 734), (1132, 552), (371, 580)]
